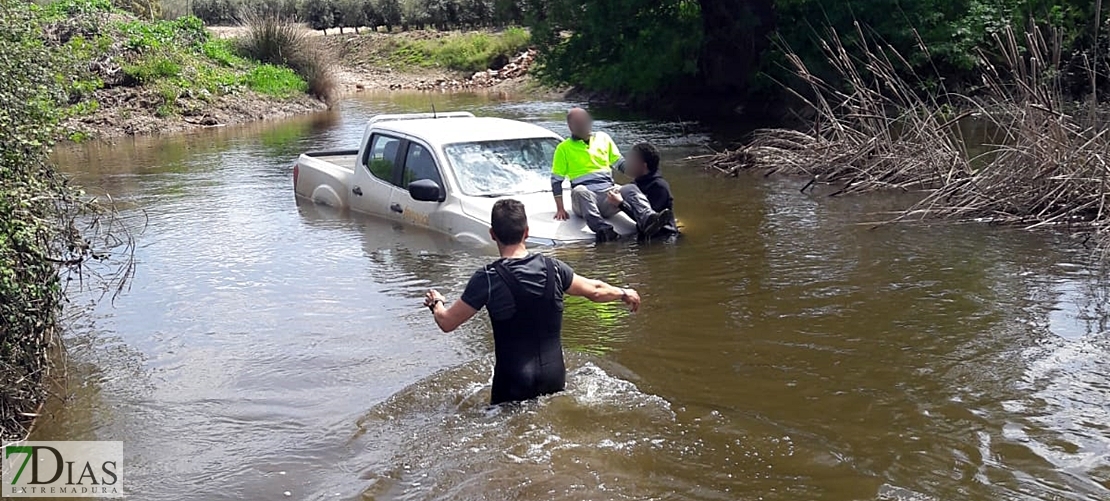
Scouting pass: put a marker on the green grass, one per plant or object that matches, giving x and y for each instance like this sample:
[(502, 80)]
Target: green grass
[(150, 70), (63, 9), (462, 52), (186, 33), (277, 81), (223, 53)]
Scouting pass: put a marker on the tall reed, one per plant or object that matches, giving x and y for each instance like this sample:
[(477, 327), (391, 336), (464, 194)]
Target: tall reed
[(1049, 165)]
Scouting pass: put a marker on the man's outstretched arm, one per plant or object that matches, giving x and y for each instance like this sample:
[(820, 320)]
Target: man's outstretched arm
[(448, 318), (601, 292)]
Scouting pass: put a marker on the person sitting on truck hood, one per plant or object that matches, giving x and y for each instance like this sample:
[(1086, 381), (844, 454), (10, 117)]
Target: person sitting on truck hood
[(523, 293), (586, 158), (648, 201)]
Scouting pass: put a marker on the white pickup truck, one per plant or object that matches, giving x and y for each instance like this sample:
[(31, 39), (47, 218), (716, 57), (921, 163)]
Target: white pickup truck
[(444, 172)]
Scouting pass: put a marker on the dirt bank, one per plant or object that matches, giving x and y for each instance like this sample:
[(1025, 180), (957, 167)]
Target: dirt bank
[(370, 60), (126, 111), (376, 61), (361, 76)]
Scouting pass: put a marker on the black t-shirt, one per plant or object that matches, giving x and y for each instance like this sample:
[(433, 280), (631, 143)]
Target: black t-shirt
[(486, 289)]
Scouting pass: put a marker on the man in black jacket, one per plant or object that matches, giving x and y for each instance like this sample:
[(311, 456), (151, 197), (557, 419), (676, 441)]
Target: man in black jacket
[(648, 201)]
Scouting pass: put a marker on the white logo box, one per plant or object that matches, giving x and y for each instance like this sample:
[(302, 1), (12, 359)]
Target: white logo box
[(62, 469)]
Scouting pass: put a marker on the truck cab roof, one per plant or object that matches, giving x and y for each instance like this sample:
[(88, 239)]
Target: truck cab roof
[(443, 131)]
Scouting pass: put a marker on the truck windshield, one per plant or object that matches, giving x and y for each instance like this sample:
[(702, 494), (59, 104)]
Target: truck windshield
[(500, 168)]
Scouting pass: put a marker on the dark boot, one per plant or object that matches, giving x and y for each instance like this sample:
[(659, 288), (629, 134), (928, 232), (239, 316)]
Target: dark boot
[(608, 235), (655, 222)]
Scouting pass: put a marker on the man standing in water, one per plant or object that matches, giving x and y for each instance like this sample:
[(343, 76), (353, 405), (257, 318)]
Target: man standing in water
[(586, 158), (523, 293)]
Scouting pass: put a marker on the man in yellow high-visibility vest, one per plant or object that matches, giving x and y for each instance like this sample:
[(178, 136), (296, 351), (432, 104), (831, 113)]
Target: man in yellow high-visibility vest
[(587, 158)]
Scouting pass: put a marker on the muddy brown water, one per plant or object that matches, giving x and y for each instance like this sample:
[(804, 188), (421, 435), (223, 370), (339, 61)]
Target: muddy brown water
[(275, 350)]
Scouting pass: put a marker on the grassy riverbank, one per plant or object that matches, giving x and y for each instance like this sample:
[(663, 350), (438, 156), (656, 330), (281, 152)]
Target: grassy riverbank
[(466, 52), (144, 77)]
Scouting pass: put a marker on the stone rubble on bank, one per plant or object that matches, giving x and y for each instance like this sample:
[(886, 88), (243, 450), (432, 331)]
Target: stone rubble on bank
[(516, 67)]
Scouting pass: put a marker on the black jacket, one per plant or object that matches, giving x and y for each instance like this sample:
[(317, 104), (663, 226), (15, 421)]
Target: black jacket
[(658, 193)]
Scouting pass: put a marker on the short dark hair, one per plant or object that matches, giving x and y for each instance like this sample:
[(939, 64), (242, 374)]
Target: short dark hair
[(509, 221), (649, 155)]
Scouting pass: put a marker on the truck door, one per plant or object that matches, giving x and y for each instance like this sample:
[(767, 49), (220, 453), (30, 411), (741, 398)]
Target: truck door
[(374, 174), (417, 163)]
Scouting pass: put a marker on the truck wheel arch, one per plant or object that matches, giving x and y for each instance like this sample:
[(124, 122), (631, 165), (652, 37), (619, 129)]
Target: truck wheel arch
[(471, 239), (324, 194)]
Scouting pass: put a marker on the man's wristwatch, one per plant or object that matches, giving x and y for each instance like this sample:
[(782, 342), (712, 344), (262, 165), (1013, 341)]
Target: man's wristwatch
[(432, 307)]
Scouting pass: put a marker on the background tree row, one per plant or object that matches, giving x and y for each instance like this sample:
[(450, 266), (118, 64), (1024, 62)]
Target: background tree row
[(734, 48), (390, 14)]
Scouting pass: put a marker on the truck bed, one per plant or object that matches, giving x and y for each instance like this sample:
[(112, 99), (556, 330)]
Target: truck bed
[(341, 158), (325, 176)]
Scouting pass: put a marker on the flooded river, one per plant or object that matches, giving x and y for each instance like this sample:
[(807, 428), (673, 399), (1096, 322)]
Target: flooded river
[(274, 350)]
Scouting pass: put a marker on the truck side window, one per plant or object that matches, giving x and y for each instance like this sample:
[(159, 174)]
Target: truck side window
[(382, 155), (419, 164)]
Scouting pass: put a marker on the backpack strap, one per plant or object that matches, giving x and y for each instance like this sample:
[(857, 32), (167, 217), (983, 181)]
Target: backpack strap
[(513, 283), (510, 280), (549, 291)]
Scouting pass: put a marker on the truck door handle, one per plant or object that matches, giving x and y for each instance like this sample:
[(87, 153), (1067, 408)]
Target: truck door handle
[(357, 191), (396, 208)]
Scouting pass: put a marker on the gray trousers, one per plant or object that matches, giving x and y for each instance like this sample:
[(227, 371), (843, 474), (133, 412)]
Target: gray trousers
[(636, 199), (594, 207)]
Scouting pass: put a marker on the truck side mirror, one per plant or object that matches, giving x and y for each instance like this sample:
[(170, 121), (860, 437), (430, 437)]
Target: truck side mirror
[(426, 190)]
